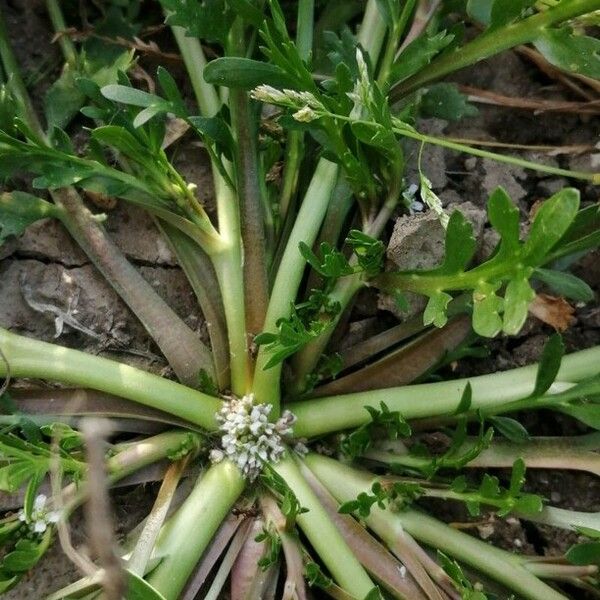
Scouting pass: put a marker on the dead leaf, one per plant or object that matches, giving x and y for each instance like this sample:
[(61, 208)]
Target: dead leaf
[(552, 310)]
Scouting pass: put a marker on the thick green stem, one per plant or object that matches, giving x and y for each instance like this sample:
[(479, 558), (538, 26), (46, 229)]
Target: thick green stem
[(335, 413), (346, 484), (323, 534), (40, 360), (493, 42), (228, 260), (291, 269), (195, 61), (188, 532), (306, 227), (566, 519)]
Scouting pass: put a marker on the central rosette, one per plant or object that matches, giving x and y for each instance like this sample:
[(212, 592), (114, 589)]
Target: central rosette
[(249, 439)]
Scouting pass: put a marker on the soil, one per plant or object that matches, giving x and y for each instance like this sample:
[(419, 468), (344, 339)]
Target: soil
[(45, 268)]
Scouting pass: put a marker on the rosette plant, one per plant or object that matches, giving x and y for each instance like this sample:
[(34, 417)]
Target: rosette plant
[(308, 466)]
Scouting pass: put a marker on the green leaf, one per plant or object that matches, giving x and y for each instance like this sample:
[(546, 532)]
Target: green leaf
[(588, 532), (129, 95), (517, 298), (486, 308), (63, 99), (589, 414), (583, 234), (565, 284), (506, 11), (517, 477), (587, 553), (578, 54), (444, 101), (460, 244), (245, 73), (18, 210), (418, 54), (512, 430), (436, 309), (139, 589), (465, 400), (480, 10), (550, 223), (504, 218), (206, 19), (549, 365)]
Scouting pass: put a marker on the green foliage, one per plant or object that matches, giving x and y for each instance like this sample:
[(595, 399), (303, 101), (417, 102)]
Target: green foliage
[(18, 210), (189, 445), (28, 462), (444, 101), (565, 284), (511, 429), (272, 542), (245, 73), (578, 54), (418, 54), (549, 365), (457, 455), (206, 19), (396, 494), (459, 579), (512, 265), (497, 13), (98, 60), (21, 558), (288, 503), (385, 424), (333, 264), (306, 322), (490, 493)]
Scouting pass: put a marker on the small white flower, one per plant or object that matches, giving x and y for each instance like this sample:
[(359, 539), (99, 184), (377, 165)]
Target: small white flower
[(41, 516), (248, 437), (268, 94)]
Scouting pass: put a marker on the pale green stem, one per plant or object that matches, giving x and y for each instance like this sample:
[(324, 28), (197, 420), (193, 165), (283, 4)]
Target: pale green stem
[(195, 61), (306, 227), (566, 519), (39, 360), (228, 261), (188, 532), (323, 534), (575, 453), (335, 413), (58, 23), (309, 219), (346, 484)]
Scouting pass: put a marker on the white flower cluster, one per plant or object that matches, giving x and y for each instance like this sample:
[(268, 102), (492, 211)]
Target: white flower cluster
[(41, 516), (249, 439), (306, 103)]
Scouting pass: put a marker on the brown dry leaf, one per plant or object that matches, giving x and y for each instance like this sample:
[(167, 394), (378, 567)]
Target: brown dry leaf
[(552, 310)]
